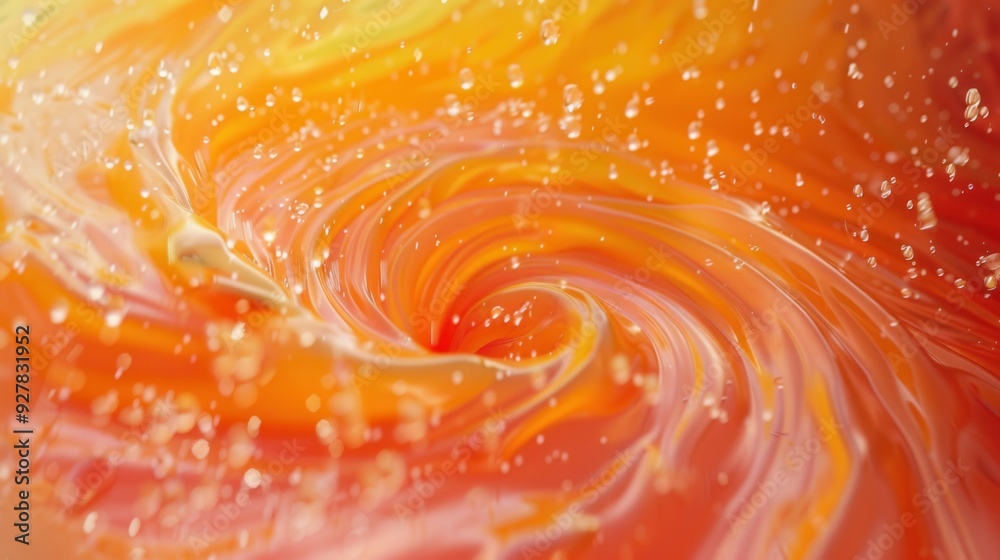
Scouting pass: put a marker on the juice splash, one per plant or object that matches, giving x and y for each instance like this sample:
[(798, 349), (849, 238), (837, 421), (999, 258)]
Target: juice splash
[(503, 279)]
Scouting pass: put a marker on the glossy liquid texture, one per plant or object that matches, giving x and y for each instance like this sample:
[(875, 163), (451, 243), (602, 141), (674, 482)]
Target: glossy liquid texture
[(618, 279)]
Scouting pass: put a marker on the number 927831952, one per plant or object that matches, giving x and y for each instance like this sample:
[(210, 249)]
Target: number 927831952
[(22, 374)]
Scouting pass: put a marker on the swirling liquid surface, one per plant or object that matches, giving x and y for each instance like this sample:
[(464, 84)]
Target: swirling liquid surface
[(505, 279)]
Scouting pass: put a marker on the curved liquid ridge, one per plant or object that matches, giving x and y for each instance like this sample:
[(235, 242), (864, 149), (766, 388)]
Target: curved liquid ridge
[(589, 279)]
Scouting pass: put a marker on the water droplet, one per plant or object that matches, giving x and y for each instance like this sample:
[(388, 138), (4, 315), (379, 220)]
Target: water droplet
[(90, 522), (925, 211), (620, 370), (452, 105), (424, 205), (200, 449), (252, 478), (550, 32), (59, 312), (133, 527), (990, 262), (214, 64), (694, 130), (972, 97), (466, 78), (572, 98), (515, 75), (114, 317), (633, 142), (572, 127), (972, 100), (632, 107)]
